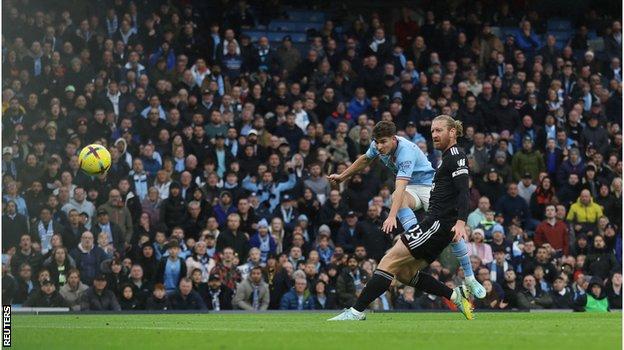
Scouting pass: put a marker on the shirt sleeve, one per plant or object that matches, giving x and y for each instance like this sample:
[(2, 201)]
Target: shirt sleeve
[(459, 174), (372, 151), (405, 164)]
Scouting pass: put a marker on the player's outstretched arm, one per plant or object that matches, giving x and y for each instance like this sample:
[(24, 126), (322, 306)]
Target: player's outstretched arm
[(360, 163)]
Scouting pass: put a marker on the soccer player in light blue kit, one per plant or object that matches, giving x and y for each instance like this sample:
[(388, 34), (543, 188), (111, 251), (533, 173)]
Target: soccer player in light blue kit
[(414, 175)]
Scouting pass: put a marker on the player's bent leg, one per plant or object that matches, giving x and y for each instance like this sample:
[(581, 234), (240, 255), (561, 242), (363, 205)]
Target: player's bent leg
[(460, 250), (391, 263), (406, 214)]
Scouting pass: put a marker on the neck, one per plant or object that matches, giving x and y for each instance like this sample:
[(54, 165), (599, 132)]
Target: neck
[(451, 144)]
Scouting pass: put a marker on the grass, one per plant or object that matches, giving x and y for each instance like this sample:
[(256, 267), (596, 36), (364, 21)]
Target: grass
[(382, 331)]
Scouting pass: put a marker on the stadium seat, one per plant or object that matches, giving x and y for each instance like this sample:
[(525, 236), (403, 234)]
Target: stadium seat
[(559, 24), (291, 26), (306, 16), (255, 34)]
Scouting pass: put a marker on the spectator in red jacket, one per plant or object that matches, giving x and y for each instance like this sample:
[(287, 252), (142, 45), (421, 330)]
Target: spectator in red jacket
[(552, 231)]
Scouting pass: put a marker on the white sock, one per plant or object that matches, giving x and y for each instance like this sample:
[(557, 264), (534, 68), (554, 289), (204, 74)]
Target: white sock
[(355, 312)]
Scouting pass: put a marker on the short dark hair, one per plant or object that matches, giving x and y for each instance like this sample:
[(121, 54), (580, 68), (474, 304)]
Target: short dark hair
[(384, 129)]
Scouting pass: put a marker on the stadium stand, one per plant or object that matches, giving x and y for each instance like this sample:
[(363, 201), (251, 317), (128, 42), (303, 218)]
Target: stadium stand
[(223, 119)]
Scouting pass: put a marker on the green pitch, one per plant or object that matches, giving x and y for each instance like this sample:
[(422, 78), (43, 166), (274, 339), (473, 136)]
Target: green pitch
[(382, 331)]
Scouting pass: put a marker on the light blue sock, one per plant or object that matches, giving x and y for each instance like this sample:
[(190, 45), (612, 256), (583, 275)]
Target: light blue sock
[(407, 218), (460, 250)]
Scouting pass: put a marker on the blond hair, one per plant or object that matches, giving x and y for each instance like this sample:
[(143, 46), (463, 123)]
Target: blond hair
[(451, 124)]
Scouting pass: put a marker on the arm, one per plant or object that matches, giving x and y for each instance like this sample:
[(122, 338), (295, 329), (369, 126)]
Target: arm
[(285, 186), (239, 300), (360, 163), (249, 185), (460, 182)]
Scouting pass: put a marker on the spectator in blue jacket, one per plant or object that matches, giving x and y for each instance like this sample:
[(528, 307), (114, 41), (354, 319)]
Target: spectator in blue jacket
[(526, 39), (165, 51), (185, 298), (359, 103), (298, 298), (263, 241), (512, 206)]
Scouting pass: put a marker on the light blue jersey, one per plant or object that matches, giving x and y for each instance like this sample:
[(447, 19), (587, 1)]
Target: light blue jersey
[(406, 162)]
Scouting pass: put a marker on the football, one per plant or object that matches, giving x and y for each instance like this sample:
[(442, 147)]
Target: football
[(95, 159)]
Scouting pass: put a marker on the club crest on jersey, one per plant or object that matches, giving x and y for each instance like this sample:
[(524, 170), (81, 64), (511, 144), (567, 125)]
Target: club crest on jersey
[(461, 162)]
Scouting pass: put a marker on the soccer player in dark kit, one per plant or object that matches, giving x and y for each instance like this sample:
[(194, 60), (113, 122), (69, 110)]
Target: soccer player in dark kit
[(422, 244)]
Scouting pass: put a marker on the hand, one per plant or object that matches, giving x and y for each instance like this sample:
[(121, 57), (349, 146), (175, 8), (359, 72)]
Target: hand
[(335, 179), (389, 224), (337, 217), (502, 305), (460, 232)]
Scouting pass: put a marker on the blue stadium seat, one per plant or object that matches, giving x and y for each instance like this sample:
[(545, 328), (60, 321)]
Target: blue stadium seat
[(291, 26), (559, 24), (561, 35), (306, 16), (504, 31), (254, 34)]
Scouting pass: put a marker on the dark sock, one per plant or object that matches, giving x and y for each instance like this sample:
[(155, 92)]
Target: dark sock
[(377, 285), (428, 284)]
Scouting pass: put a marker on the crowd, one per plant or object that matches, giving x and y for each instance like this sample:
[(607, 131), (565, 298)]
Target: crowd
[(217, 196)]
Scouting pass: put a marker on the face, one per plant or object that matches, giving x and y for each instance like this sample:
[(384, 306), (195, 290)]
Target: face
[(385, 144), (441, 135), (300, 285), (256, 276)]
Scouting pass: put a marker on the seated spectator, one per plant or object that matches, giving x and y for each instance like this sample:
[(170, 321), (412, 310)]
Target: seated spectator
[(594, 299), (492, 300), (159, 300), (600, 261), (171, 269), (88, 258), (531, 297), (584, 212), (226, 268), (323, 300), (218, 296), (46, 296), (252, 294), (73, 290), (561, 295), (185, 298), (298, 298), (407, 300), (350, 282), (614, 291), (128, 300), (263, 241), (98, 298), (478, 247)]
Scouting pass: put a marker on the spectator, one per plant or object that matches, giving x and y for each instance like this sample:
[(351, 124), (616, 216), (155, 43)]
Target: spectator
[(553, 232), (407, 300), (298, 298), (561, 295), (73, 290), (88, 258), (171, 269), (584, 211), (263, 241), (159, 300), (114, 235), (98, 298), (531, 297), (128, 300), (185, 298), (478, 215), (46, 296), (233, 238), (595, 299), (614, 291), (350, 282), (600, 262), (218, 297), (226, 268), (513, 207), (14, 225), (478, 247), (322, 300), (492, 300), (253, 293)]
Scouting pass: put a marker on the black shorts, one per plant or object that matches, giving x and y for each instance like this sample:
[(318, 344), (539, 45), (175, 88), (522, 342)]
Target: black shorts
[(428, 239)]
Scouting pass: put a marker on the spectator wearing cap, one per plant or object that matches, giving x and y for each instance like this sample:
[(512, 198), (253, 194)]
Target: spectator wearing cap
[(113, 232), (263, 241), (526, 188), (185, 298), (234, 238), (350, 282), (527, 160), (9, 166), (478, 247), (172, 268), (287, 212), (350, 233), (98, 298), (595, 134), (252, 294), (218, 297), (46, 296)]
